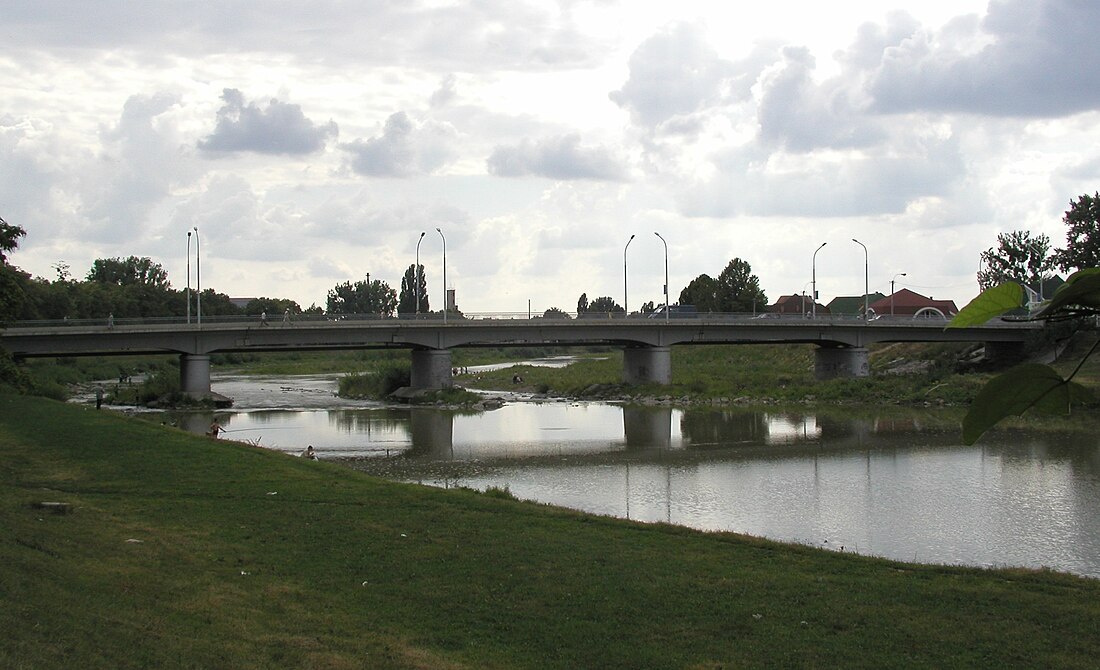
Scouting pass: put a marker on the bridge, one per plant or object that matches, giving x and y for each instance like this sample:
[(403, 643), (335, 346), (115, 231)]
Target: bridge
[(841, 341)]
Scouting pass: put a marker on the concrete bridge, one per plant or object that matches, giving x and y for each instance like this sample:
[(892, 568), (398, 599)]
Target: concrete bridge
[(646, 342)]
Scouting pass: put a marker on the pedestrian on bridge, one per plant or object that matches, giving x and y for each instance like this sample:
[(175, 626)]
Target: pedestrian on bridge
[(263, 318), (286, 317)]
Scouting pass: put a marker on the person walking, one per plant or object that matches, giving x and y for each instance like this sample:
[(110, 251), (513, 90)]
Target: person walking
[(99, 396)]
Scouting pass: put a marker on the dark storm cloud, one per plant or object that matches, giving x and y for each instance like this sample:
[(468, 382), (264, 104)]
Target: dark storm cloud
[(1042, 60), (404, 149), (557, 158), (280, 128)]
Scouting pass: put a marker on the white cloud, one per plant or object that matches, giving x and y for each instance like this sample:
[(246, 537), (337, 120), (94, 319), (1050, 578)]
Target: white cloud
[(404, 149), (279, 128), (557, 158)]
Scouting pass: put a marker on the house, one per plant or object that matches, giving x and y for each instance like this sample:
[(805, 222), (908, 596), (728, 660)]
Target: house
[(796, 304), (852, 305), (912, 304)]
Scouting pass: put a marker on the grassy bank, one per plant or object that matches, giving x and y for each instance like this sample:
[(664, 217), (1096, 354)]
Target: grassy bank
[(180, 551), (907, 374)]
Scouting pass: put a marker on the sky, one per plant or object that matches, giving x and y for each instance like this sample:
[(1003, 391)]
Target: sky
[(312, 143)]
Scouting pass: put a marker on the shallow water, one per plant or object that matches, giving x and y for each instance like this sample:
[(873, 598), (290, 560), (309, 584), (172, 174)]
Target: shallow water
[(889, 483)]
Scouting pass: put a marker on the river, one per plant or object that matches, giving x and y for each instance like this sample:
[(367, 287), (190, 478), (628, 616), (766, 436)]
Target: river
[(890, 482)]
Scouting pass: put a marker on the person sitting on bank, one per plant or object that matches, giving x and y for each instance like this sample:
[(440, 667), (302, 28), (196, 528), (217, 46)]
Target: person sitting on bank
[(215, 430), (309, 453)]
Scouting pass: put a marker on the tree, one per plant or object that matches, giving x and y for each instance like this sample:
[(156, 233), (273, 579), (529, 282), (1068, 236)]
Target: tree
[(9, 239), (702, 292), (132, 271), (362, 297), (648, 308), (1018, 258), (407, 298), (582, 304), (1083, 237), (555, 313), (273, 307), (738, 290), (604, 304)]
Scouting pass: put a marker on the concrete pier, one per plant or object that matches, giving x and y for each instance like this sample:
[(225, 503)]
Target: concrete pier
[(195, 373), (431, 369), (834, 362), (647, 365)]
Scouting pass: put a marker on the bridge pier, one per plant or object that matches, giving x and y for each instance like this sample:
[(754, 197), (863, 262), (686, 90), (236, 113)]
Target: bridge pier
[(834, 362), (1004, 354), (431, 369), (647, 365), (195, 373)]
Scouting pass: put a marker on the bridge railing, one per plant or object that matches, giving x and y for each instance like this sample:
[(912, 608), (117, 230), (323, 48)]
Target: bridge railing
[(458, 318)]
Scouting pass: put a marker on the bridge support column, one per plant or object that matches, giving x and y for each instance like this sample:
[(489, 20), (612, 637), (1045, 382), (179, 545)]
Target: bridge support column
[(195, 373), (647, 365), (834, 362), (1004, 354), (431, 369)]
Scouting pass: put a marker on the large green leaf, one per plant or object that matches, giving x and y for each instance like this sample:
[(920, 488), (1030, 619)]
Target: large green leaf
[(1082, 288), (990, 303), (1011, 394)]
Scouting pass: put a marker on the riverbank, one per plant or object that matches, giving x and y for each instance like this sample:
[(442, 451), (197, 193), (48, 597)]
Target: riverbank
[(182, 551)]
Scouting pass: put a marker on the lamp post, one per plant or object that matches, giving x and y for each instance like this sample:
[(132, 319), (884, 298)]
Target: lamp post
[(198, 276), (189, 277), (865, 286), (813, 280), (444, 274), (900, 274), (416, 276), (667, 308), (626, 309)]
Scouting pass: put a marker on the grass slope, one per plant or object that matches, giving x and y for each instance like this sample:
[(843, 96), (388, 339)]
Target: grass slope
[(187, 552)]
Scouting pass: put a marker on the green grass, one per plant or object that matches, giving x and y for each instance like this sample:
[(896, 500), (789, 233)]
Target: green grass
[(758, 373), (182, 551)]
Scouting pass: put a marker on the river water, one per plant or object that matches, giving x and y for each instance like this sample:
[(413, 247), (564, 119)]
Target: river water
[(892, 483)]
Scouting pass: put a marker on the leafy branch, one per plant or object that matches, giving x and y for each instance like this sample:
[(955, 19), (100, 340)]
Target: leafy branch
[(1031, 385)]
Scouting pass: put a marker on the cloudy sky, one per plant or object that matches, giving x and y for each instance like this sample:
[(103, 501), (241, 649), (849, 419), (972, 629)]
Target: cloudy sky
[(312, 142)]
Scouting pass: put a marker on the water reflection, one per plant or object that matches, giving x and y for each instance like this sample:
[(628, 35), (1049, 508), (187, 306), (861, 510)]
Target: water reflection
[(896, 484)]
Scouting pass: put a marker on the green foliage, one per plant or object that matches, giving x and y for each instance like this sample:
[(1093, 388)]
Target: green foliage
[(9, 239), (603, 305), (376, 384), (1029, 386), (1083, 234), (555, 313), (130, 271), (989, 304), (702, 292), (1019, 258), (273, 307), (362, 297), (413, 285), (738, 290)]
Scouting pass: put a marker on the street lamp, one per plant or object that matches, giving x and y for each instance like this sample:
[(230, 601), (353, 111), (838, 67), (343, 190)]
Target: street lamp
[(198, 276), (813, 280), (444, 274), (189, 277), (865, 287), (900, 274), (626, 309), (667, 308), (416, 275)]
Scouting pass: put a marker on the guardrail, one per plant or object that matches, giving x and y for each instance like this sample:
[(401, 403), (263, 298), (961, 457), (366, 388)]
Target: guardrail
[(455, 318)]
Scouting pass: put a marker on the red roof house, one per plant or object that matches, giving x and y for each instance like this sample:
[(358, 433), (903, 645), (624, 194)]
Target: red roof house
[(910, 303)]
